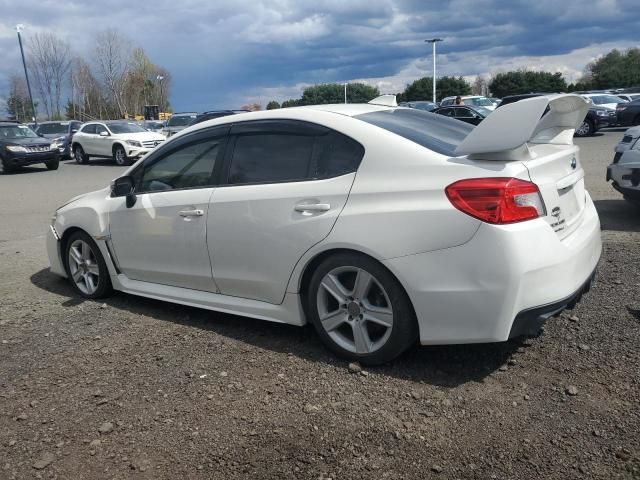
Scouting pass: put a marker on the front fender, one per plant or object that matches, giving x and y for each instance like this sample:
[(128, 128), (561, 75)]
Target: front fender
[(87, 213)]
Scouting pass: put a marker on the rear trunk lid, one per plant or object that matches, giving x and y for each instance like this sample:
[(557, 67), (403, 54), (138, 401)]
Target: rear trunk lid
[(557, 171), (539, 133)]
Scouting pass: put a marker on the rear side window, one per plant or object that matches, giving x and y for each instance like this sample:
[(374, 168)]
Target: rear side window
[(337, 155), (271, 157), (432, 131), (89, 128)]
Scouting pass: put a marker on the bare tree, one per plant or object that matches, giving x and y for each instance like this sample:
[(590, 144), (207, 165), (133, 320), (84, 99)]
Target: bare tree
[(112, 56), (252, 107), (49, 63), (86, 94), (18, 104), (480, 86)]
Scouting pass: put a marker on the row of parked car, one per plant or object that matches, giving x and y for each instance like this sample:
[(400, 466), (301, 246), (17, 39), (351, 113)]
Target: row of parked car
[(122, 140), (607, 110)]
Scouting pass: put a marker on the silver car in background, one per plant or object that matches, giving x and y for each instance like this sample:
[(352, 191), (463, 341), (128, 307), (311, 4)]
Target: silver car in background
[(624, 171)]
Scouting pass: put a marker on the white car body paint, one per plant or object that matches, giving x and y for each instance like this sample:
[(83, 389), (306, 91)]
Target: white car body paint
[(467, 279)]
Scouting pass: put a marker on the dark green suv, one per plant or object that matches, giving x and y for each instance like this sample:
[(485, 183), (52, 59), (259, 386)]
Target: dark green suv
[(20, 146)]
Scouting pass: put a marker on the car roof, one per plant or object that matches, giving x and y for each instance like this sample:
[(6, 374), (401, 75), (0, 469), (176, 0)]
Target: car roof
[(183, 113), (348, 109)]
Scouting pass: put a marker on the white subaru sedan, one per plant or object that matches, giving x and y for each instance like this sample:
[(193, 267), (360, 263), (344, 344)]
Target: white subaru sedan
[(382, 226)]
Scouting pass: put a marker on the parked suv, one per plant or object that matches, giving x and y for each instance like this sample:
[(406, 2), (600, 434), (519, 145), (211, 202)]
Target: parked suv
[(20, 146), (121, 140), (177, 122), (628, 113), (61, 133)]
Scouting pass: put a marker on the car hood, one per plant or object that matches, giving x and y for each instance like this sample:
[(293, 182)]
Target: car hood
[(607, 106), (634, 132), (140, 136), (27, 141), (54, 135)]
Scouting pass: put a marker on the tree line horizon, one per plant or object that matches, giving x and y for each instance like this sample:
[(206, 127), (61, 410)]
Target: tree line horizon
[(120, 79)]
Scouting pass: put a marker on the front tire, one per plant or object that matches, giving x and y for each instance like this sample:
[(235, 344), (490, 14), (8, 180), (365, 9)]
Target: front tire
[(52, 164), (86, 268), (120, 156), (360, 310), (79, 155), (585, 129), (4, 168)]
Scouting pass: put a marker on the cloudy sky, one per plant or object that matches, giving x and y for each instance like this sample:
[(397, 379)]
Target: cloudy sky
[(223, 54)]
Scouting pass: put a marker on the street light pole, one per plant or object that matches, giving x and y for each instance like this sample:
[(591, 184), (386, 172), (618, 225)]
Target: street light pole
[(19, 29), (160, 78), (433, 42), (345, 92)]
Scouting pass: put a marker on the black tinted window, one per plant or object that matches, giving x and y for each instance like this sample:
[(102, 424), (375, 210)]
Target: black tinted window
[(89, 128), (271, 157), (464, 113), (338, 154), (432, 131), (188, 166)]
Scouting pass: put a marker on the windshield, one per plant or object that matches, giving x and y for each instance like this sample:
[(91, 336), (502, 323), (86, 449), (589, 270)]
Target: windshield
[(478, 102), (180, 120), (53, 128), (429, 130), (17, 131), (602, 99), (154, 125), (125, 128)]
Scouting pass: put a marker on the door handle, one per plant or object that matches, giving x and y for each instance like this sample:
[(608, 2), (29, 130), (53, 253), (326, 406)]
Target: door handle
[(313, 207), (191, 213)]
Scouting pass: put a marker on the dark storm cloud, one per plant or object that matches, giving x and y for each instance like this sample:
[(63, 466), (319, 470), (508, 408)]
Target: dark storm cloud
[(223, 53)]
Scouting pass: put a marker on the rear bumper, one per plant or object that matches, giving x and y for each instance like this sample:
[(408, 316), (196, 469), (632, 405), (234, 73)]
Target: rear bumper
[(473, 293), (530, 321)]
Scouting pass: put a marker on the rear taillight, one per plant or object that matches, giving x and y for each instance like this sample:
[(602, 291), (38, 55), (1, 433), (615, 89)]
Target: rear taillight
[(497, 200)]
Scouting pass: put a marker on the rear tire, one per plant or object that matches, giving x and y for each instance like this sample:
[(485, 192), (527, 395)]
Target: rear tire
[(585, 129), (360, 310), (85, 266), (52, 164), (79, 155)]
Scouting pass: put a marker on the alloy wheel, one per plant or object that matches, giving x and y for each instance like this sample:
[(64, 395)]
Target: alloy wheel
[(354, 309), (79, 155), (83, 267), (583, 129), (120, 156)]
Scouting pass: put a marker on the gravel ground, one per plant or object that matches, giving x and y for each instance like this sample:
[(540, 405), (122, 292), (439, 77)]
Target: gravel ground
[(135, 388)]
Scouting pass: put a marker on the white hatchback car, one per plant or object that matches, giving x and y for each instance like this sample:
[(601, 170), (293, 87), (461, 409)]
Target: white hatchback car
[(121, 140), (380, 225)]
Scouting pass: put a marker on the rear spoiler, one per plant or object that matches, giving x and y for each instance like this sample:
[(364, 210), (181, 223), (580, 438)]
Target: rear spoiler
[(505, 133)]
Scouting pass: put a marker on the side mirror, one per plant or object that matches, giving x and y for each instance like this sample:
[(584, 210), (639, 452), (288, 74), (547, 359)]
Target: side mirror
[(104, 133), (74, 130), (124, 187)]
